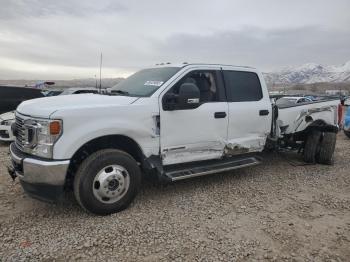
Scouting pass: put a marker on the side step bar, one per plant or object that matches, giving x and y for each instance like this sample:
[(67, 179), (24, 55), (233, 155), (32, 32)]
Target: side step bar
[(206, 168)]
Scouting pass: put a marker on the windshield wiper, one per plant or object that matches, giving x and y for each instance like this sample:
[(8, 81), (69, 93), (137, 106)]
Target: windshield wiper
[(121, 92)]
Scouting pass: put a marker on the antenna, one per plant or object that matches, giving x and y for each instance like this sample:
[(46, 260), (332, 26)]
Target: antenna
[(100, 71)]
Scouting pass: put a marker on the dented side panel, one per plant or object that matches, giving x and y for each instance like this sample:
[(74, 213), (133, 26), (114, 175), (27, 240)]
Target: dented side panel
[(245, 145), (193, 135), (193, 152), (248, 128)]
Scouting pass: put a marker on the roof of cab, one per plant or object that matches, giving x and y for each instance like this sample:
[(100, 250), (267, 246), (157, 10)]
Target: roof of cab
[(198, 64)]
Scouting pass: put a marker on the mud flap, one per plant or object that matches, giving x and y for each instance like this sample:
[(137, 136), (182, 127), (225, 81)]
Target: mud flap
[(12, 173)]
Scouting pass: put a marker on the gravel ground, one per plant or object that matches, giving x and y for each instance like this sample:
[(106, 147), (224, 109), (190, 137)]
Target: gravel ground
[(281, 210)]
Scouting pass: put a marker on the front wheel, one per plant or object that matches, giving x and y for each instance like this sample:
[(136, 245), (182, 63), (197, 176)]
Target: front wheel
[(107, 181)]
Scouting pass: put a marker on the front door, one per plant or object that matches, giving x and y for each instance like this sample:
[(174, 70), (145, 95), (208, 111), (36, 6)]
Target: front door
[(198, 133)]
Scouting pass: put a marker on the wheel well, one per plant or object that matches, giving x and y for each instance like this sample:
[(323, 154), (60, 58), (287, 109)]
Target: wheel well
[(121, 142), (318, 124), (322, 126)]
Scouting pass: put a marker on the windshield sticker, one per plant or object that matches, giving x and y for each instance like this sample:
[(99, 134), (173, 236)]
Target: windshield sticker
[(153, 83)]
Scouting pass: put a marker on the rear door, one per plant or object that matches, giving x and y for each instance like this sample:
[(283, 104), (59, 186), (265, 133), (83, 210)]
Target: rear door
[(198, 133), (249, 111)]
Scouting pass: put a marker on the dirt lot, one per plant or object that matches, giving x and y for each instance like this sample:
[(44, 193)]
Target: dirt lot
[(281, 210)]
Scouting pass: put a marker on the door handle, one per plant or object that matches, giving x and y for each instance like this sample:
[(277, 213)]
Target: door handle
[(220, 114), (263, 112)]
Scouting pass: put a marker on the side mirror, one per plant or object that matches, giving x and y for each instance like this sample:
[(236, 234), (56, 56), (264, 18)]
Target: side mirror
[(169, 101), (189, 96)]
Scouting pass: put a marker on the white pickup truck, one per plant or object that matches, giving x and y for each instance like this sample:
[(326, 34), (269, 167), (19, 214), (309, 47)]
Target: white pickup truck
[(172, 121)]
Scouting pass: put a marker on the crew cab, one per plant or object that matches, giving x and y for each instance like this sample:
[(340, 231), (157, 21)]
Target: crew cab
[(171, 121)]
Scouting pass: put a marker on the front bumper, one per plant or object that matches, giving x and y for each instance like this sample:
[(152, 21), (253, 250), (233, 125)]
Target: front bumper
[(42, 179), (6, 134)]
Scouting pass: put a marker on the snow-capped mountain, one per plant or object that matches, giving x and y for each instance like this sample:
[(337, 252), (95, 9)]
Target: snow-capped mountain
[(309, 74)]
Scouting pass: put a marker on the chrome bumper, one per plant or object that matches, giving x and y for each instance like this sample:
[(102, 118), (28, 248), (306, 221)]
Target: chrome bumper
[(35, 171)]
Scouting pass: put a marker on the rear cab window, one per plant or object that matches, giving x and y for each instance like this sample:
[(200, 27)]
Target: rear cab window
[(242, 86)]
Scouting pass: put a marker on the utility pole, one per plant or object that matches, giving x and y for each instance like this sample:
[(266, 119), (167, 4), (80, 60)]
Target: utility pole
[(100, 72)]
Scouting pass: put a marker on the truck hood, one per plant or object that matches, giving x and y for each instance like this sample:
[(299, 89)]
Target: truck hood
[(44, 107)]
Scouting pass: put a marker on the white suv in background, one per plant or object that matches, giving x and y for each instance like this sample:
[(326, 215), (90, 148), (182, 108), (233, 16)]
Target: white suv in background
[(6, 121)]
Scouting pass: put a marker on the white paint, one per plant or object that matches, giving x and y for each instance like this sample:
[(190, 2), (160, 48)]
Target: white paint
[(294, 117), (9, 116), (195, 132), (184, 135), (247, 129)]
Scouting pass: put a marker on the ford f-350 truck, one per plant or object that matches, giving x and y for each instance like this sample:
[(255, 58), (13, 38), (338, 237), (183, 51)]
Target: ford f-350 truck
[(172, 121)]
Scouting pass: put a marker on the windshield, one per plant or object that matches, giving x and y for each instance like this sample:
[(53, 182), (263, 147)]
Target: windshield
[(145, 82)]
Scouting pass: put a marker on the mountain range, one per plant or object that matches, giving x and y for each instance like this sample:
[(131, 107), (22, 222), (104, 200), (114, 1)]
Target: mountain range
[(309, 74), (305, 74)]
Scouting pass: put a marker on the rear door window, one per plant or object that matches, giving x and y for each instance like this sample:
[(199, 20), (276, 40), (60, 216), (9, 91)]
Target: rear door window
[(242, 86)]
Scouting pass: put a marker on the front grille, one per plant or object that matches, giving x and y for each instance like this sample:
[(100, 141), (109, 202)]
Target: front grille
[(20, 139)]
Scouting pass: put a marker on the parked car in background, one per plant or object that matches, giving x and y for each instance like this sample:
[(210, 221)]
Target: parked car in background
[(8, 118), (347, 101), (12, 96), (52, 92), (6, 121), (79, 90), (347, 123), (313, 98), (293, 100)]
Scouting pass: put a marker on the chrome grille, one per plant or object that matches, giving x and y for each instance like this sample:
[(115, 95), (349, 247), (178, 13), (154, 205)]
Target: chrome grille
[(20, 132)]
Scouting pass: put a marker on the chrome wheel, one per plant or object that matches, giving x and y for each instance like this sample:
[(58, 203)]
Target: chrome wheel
[(111, 184)]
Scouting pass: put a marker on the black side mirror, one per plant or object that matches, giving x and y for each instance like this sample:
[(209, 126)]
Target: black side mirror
[(169, 101), (188, 97)]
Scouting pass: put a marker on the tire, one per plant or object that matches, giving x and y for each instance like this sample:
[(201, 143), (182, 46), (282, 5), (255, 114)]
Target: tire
[(312, 146), (107, 172), (347, 133), (327, 146)]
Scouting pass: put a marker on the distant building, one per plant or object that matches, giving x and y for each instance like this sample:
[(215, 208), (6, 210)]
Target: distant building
[(336, 92)]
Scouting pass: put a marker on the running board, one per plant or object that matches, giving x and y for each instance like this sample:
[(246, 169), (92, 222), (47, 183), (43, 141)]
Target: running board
[(209, 167)]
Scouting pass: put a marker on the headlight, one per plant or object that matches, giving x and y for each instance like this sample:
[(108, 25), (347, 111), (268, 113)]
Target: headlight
[(7, 122), (41, 135)]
